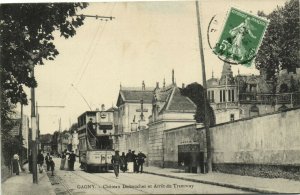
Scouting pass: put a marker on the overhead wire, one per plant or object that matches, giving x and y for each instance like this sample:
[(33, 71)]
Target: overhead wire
[(93, 42), (94, 48)]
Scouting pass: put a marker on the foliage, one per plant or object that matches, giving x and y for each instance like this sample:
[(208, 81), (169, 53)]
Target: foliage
[(195, 92), (10, 146), (73, 128), (27, 35), (280, 47)]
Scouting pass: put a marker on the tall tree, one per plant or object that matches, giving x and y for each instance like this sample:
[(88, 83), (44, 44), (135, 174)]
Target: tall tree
[(281, 45), (195, 92), (26, 32)]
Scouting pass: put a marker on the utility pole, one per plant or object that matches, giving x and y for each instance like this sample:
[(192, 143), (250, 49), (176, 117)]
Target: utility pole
[(34, 134), (206, 120), (21, 133), (60, 137)]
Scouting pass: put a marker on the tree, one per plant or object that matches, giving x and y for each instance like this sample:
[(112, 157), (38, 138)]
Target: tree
[(73, 128), (26, 32), (195, 92), (280, 47)]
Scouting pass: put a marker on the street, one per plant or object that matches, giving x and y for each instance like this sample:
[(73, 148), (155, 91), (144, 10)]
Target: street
[(80, 182)]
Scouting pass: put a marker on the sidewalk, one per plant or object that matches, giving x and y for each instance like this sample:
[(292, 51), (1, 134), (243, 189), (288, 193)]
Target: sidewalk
[(247, 183), (23, 184)]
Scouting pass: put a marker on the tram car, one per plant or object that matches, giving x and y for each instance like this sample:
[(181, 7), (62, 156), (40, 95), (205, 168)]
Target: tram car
[(96, 140)]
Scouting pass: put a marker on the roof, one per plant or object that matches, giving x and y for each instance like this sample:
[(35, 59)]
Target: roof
[(176, 102), (112, 109), (134, 96), (212, 82)]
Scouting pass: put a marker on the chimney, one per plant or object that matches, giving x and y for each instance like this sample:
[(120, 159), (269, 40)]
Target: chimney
[(143, 86), (102, 107), (120, 86), (164, 83), (157, 85), (183, 86)]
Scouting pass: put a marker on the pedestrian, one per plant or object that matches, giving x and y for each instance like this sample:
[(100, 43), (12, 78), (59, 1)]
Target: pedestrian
[(40, 161), (52, 165), (129, 159), (63, 161), (115, 160), (47, 159), (30, 162), (123, 162), (71, 159), (135, 164), (141, 159), (16, 165)]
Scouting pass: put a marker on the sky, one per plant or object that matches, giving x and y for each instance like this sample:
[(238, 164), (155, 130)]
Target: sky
[(144, 42)]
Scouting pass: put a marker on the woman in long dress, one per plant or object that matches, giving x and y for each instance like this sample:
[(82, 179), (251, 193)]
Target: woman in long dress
[(63, 161), (16, 165), (238, 33)]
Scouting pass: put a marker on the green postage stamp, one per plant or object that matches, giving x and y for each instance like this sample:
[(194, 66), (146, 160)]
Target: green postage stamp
[(241, 37)]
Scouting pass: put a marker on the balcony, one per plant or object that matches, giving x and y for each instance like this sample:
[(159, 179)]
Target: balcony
[(282, 98), (225, 105)]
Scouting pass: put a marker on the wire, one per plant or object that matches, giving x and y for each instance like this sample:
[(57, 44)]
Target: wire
[(95, 45), (85, 56)]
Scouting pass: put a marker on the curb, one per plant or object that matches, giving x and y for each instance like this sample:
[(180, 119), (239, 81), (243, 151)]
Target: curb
[(250, 189)]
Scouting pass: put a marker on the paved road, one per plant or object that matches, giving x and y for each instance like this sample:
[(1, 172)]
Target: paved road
[(80, 182)]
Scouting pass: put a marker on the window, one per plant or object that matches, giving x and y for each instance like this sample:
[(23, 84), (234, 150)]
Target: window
[(229, 95), (220, 95), (208, 95), (232, 95), (224, 96), (213, 96), (231, 117)]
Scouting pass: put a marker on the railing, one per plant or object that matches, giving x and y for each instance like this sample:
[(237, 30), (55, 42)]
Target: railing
[(282, 98), (225, 105)]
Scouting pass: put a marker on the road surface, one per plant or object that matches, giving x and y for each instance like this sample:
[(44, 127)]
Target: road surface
[(80, 182)]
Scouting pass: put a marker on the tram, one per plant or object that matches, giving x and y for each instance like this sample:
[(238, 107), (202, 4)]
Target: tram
[(96, 140)]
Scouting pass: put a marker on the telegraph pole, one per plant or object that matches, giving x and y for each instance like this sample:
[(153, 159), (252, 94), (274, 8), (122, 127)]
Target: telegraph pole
[(34, 134), (206, 120), (60, 137)]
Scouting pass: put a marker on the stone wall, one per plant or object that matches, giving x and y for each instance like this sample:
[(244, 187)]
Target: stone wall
[(137, 141), (262, 146), (179, 136)]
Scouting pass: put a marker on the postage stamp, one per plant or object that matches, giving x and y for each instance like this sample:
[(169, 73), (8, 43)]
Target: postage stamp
[(241, 37)]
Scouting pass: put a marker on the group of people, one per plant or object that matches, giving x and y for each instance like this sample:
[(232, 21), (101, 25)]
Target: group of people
[(71, 160), (129, 162), (49, 162)]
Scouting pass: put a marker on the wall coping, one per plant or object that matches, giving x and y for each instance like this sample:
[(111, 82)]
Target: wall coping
[(253, 117)]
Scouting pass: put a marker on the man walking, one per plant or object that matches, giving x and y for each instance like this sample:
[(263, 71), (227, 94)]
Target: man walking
[(116, 162), (40, 161), (141, 159), (71, 159), (47, 159)]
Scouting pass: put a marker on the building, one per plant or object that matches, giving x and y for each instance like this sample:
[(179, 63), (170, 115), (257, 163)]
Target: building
[(223, 96), (243, 96), (24, 130), (132, 103), (170, 109)]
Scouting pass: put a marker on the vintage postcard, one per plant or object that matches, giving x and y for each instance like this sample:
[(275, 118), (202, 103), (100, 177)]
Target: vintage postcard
[(150, 97)]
